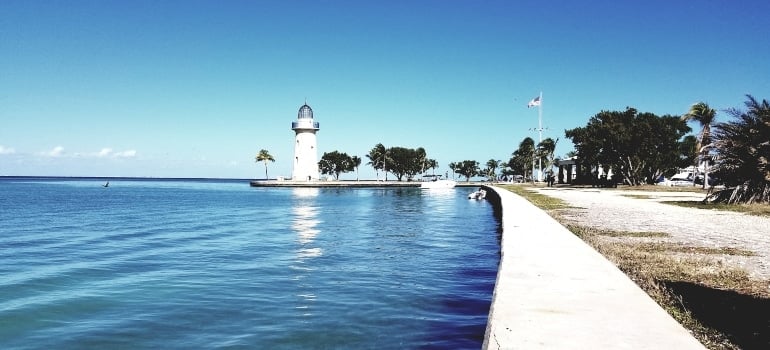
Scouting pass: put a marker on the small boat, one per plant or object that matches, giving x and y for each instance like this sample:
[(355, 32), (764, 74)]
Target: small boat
[(437, 182), (478, 195)]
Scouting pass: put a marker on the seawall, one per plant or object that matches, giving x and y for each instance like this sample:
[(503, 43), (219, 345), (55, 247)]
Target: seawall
[(553, 291)]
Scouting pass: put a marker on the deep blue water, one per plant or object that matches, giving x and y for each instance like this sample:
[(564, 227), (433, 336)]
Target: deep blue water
[(217, 264)]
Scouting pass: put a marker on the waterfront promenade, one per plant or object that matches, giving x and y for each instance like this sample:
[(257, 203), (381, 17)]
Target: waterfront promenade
[(553, 291)]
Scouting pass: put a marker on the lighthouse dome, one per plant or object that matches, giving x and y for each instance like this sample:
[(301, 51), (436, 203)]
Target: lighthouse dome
[(305, 112)]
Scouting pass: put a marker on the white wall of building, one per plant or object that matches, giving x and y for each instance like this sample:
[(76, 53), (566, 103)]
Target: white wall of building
[(305, 156)]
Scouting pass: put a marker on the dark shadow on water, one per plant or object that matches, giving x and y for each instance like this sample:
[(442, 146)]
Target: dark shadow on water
[(744, 319)]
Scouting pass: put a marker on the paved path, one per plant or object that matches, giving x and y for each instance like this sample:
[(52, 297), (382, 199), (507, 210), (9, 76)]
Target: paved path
[(614, 210), (553, 291)]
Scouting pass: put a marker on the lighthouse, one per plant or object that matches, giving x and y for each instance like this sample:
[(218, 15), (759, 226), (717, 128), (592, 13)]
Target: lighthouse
[(305, 152)]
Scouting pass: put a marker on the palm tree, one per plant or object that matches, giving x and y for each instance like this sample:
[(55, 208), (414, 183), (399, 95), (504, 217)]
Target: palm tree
[(453, 166), (545, 150), (377, 159), (704, 115), (264, 156), (422, 159), (743, 154), (432, 164), (356, 163), (492, 166), (523, 158)]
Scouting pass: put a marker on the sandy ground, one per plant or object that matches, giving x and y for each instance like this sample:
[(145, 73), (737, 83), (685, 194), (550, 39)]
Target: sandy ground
[(614, 210)]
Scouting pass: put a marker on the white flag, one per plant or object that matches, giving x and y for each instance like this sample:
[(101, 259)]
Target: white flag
[(535, 102)]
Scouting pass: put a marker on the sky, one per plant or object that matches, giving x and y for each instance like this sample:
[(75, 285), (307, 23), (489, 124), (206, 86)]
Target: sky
[(196, 88)]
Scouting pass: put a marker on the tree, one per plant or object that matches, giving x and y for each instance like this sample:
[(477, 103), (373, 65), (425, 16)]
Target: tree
[(406, 161), (421, 160), (638, 147), (431, 164), (522, 160), (356, 163), (545, 150), (743, 154), (454, 167), (264, 156), (377, 159), (704, 115), (335, 163), (491, 170), (687, 152), (468, 168)]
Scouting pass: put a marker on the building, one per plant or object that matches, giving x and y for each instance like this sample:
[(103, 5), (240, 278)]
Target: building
[(305, 146)]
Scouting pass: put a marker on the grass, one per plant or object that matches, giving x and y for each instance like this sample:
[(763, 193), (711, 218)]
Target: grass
[(751, 209), (656, 188), (610, 233), (638, 196), (662, 268), (652, 266), (542, 201)]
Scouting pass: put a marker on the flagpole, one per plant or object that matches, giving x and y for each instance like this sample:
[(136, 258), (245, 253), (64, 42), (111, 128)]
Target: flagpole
[(540, 136)]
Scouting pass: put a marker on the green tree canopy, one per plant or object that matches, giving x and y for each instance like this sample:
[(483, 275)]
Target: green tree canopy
[(743, 154), (264, 156), (377, 157), (704, 115), (453, 166), (431, 164), (335, 163), (491, 170), (545, 151), (687, 153), (356, 163), (468, 168), (407, 162), (522, 159), (638, 147)]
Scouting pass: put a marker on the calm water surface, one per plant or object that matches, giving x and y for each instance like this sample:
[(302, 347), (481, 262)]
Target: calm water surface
[(217, 264)]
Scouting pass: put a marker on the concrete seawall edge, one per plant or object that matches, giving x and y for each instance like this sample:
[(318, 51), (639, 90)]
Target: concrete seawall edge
[(553, 291)]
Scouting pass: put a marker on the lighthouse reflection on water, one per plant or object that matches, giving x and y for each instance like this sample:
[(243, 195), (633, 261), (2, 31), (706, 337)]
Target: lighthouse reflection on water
[(304, 223)]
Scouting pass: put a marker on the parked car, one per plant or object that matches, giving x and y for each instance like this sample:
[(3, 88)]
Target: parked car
[(681, 179)]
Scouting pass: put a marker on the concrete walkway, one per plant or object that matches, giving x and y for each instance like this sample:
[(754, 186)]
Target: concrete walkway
[(555, 292)]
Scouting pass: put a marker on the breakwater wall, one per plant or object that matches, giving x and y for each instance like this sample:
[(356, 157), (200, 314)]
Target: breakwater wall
[(553, 291)]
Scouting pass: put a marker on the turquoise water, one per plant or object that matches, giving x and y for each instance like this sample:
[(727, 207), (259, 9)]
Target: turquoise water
[(218, 264)]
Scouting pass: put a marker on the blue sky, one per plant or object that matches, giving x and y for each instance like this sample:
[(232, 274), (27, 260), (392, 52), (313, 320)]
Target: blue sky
[(197, 88)]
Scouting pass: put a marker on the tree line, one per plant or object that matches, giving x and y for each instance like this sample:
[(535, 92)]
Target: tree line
[(404, 163), (642, 147), (639, 147)]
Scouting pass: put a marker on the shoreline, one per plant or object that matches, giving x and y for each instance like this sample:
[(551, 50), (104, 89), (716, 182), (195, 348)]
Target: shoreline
[(351, 183)]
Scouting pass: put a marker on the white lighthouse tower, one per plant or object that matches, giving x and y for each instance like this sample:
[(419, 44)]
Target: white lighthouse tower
[(305, 152)]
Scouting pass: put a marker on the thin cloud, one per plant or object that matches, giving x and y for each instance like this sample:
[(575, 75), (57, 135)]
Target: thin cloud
[(109, 153), (57, 151), (105, 152), (125, 154), (6, 150)]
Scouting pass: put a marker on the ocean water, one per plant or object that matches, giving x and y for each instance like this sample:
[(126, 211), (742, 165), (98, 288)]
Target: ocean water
[(194, 264)]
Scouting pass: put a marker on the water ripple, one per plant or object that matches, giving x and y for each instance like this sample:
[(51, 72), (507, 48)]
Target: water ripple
[(164, 264)]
